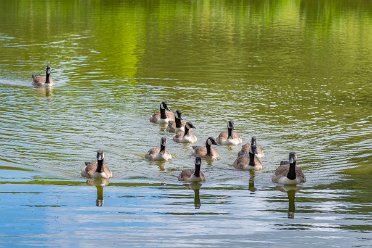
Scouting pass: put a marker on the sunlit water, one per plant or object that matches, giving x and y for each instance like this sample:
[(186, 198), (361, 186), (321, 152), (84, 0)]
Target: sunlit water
[(296, 74)]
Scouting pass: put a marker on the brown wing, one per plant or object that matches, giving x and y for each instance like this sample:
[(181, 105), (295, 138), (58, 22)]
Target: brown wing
[(170, 115), (38, 79), (200, 151), (178, 137), (241, 162), (155, 117), (185, 174), (222, 137), (107, 170), (171, 126), (90, 168), (235, 135), (300, 174), (282, 170)]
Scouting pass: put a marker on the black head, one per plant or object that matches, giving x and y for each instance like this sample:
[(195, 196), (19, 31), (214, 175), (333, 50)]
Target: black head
[(253, 140), (48, 70), (179, 114), (189, 125), (211, 141), (230, 125), (163, 105), (100, 155), (292, 157), (163, 141)]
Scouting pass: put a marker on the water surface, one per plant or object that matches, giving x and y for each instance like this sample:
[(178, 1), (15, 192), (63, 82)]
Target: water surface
[(296, 74)]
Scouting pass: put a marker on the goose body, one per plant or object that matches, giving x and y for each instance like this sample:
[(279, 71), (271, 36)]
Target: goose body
[(248, 161), (163, 116), (206, 151), (186, 136), (178, 124), (247, 147), (229, 137), (96, 169), (43, 80), (159, 153), (195, 175), (288, 173)]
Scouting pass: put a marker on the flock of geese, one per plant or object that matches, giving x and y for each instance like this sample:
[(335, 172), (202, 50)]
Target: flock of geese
[(249, 157)]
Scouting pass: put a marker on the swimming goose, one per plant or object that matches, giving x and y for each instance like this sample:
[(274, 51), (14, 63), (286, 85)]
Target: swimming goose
[(163, 116), (96, 169), (248, 161), (159, 154), (178, 124), (189, 175), (246, 148), (206, 151), (288, 172), (41, 80), (186, 136), (229, 137)]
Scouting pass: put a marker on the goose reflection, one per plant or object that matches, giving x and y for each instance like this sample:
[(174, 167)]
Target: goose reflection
[(196, 187), (46, 91), (99, 183), (252, 174), (291, 194)]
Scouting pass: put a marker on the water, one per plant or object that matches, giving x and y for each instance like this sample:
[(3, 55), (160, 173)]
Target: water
[(296, 74)]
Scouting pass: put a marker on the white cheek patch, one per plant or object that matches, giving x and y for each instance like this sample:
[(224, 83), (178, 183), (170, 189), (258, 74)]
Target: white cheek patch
[(162, 106), (209, 142)]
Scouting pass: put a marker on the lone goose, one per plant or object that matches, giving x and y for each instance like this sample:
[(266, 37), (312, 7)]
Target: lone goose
[(96, 169), (186, 136), (163, 116), (178, 124), (41, 80), (189, 175), (229, 137), (288, 172), (248, 161), (206, 151), (247, 147), (159, 154)]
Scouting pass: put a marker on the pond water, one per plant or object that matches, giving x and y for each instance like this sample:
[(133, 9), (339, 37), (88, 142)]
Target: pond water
[(296, 74)]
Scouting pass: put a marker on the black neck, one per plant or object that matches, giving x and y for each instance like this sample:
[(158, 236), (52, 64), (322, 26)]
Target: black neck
[(229, 132), (251, 159), (162, 148), (99, 166), (208, 146), (47, 80), (163, 114), (292, 171), (197, 170), (178, 122), (186, 131)]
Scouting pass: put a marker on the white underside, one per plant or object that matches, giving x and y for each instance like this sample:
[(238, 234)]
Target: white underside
[(233, 142), (193, 178), (287, 181), (98, 175)]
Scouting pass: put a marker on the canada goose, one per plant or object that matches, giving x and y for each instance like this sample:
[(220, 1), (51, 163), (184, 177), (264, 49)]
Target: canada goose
[(248, 161), (159, 154), (229, 137), (186, 136), (189, 175), (163, 116), (246, 148), (288, 172), (96, 169), (41, 80), (206, 151), (178, 124)]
